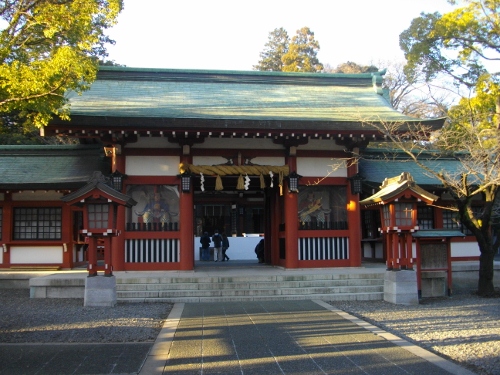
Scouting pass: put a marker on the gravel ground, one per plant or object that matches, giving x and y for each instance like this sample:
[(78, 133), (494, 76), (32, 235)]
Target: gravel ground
[(66, 320), (464, 328)]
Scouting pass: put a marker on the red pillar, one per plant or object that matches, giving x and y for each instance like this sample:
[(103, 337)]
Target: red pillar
[(108, 263), (92, 256), (118, 243), (67, 237), (291, 221), (354, 220), (7, 227), (186, 225)]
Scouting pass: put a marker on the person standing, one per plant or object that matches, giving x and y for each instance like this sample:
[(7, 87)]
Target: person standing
[(225, 246), (217, 240), (205, 246), (259, 251)]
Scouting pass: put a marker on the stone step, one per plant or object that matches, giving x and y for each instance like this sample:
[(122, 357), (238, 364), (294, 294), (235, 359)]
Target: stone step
[(372, 296), (257, 278), (233, 292), (245, 285), (230, 294), (327, 286)]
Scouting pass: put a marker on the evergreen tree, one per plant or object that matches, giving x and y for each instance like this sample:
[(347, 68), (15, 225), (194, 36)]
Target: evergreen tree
[(299, 55), (47, 48), (302, 53), (275, 48)]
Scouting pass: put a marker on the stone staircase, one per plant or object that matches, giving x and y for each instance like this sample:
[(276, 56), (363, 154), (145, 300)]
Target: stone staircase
[(327, 286)]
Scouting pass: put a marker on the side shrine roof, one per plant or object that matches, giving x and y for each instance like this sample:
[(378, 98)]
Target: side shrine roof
[(50, 167), (394, 187), (136, 98), (98, 182)]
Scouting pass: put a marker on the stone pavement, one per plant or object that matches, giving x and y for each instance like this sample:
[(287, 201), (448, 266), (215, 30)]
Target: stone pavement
[(281, 337), (65, 359), (285, 337)]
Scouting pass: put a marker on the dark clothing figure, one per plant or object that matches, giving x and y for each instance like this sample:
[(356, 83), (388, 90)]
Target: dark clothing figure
[(259, 251), (205, 246), (217, 239), (225, 246)]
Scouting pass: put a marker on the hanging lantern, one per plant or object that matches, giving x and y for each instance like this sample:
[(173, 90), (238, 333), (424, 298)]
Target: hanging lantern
[(293, 182), (356, 183), (185, 182), (117, 180)]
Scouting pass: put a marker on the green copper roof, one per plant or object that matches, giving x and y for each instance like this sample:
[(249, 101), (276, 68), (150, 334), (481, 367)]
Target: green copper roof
[(392, 187), (234, 95), (50, 167), (437, 233), (378, 164)]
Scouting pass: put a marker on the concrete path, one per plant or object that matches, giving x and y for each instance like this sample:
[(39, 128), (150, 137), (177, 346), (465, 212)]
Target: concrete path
[(286, 337)]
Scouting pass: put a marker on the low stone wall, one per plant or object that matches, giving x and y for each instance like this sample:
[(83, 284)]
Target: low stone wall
[(465, 275)]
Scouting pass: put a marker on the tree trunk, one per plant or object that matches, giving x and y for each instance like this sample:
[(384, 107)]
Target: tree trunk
[(485, 287)]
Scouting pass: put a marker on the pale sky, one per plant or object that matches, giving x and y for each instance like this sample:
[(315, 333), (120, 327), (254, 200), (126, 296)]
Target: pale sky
[(230, 34)]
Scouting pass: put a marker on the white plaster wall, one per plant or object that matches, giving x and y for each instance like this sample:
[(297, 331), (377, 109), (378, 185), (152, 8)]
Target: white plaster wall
[(152, 142), (208, 160), (215, 160), (319, 167), (36, 254), (464, 249), (1, 253), (322, 144), (152, 165), (239, 143), (275, 161), (37, 195), (240, 248), (379, 250)]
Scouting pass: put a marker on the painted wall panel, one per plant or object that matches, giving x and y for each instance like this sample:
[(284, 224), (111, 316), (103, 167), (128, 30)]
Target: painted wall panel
[(36, 254), (152, 165)]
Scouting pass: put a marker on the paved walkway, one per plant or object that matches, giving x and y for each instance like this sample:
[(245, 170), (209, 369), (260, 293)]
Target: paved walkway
[(286, 337)]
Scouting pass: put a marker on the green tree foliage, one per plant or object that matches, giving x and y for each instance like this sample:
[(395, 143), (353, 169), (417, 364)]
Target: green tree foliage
[(456, 43), (48, 47), (302, 53), (297, 55), (275, 48), (350, 67), (461, 44)]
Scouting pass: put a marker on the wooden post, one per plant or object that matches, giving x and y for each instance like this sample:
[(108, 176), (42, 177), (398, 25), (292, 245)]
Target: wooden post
[(7, 228), (186, 221), (92, 256), (108, 263), (118, 243)]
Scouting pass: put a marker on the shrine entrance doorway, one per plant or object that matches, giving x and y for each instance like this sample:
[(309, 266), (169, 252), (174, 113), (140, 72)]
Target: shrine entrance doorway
[(243, 215)]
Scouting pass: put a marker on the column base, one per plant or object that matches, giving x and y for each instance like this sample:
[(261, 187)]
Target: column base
[(400, 287), (100, 291)]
